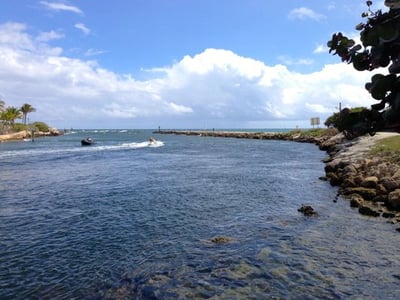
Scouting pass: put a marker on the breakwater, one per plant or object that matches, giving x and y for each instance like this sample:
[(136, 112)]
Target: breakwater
[(296, 136)]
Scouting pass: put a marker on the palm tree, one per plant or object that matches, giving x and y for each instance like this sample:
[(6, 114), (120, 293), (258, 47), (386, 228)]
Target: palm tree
[(25, 109), (10, 114), (2, 105)]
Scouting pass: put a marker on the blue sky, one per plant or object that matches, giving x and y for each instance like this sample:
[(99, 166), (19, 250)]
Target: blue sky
[(178, 63)]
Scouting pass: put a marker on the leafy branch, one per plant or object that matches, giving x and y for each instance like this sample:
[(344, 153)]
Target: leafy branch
[(379, 48)]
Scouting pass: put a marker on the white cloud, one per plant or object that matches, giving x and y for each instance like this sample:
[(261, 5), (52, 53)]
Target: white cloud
[(50, 35), (94, 52), (289, 61), (215, 87), (82, 28), (303, 13), (57, 6), (320, 49)]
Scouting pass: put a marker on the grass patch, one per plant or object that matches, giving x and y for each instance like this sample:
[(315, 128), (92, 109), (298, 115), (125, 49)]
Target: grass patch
[(316, 132), (388, 147)]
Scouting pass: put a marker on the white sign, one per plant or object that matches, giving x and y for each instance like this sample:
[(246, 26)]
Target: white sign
[(314, 121)]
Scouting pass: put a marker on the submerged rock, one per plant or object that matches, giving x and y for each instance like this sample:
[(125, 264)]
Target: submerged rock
[(221, 240), (307, 210)]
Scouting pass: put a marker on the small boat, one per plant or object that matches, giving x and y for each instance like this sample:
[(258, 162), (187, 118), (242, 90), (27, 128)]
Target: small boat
[(87, 142), (152, 141)]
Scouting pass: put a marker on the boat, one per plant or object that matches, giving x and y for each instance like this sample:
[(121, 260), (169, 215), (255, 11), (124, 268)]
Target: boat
[(152, 141), (87, 142)]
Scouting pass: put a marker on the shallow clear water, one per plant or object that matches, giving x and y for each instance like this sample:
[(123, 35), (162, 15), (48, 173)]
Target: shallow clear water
[(125, 220)]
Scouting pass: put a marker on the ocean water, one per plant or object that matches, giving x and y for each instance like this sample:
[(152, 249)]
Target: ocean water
[(127, 220)]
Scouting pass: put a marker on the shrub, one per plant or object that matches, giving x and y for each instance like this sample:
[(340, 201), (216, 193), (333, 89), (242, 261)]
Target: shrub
[(41, 126)]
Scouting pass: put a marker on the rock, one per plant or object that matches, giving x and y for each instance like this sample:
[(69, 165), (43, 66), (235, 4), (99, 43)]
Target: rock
[(394, 199), (370, 182), (388, 215), (307, 210), (366, 193), (331, 167), (368, 211), (349, 182), (350, 169), (334, 179), (221, 240), (356, 200), (381, 198), (396, 175), (390, 183)]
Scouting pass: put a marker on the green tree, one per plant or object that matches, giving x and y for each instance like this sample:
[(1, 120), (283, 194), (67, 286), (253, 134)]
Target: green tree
[(25, 110), (379, 48), (9, 115), (2, 105)]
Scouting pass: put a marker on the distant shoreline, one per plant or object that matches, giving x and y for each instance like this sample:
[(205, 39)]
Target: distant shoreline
[(24, 134)]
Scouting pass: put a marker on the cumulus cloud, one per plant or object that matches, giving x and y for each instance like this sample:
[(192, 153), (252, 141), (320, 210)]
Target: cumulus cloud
[(57, 6), (303, 13), (82, 27), (215, 88), (287, 60)]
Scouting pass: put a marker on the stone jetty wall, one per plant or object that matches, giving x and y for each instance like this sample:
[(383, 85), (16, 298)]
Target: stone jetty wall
[(289, 136)]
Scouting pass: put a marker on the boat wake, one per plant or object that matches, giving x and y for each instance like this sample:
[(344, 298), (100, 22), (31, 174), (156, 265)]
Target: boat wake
[(133, 145), (146, 144), (79, 149)]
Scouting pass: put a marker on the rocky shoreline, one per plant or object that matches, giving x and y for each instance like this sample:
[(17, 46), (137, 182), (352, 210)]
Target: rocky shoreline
[(371, 183), (25, 134)]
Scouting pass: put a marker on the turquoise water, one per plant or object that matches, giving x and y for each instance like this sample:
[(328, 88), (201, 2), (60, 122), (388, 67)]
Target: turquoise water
[(127, 220)]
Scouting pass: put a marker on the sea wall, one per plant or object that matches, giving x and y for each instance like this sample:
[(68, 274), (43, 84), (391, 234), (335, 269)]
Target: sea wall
[(370, 183)]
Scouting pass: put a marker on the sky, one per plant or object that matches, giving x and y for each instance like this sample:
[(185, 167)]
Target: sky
[(175, 64)]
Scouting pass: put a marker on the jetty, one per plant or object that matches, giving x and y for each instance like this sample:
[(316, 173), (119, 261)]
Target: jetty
[(290, 135), (294, 135)]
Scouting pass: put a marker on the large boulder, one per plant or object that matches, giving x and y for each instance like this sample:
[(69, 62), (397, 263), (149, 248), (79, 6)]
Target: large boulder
[(390, 184), (366, 193), (370, 182), (394, 199)]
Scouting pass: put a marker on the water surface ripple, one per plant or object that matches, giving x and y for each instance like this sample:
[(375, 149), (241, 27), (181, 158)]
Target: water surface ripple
[(122, 220)]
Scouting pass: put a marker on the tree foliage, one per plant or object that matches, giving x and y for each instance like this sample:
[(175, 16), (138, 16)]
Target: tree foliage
[(41, 126), (379, 48), (26, 109), (10, 114)]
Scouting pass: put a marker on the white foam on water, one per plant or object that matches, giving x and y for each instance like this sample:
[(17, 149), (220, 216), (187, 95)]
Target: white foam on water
[(93, 148)]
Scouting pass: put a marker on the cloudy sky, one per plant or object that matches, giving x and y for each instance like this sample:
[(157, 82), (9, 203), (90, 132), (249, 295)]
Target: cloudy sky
[(178, 63)]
